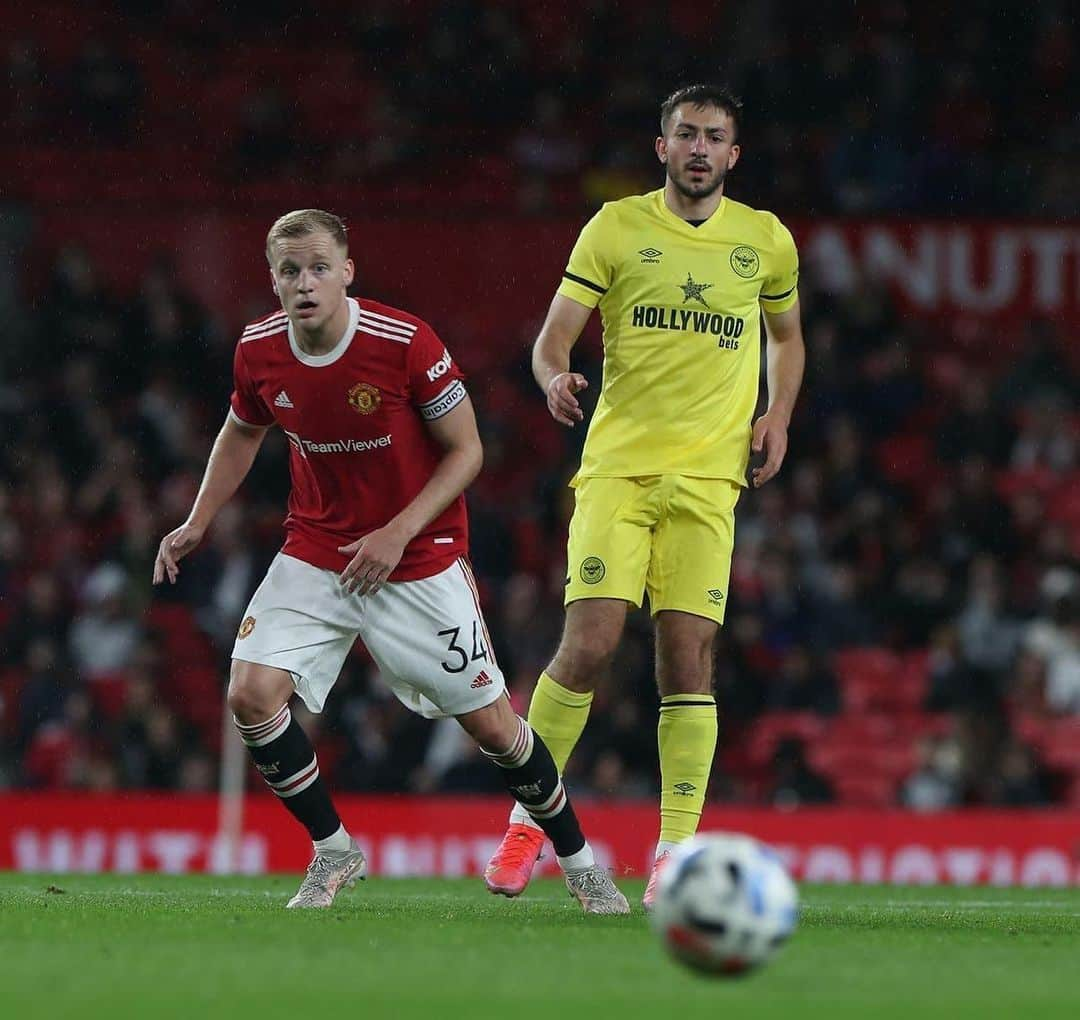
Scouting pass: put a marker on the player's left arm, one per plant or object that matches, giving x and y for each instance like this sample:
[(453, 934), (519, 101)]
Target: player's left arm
[(377, 554), (785, 359)]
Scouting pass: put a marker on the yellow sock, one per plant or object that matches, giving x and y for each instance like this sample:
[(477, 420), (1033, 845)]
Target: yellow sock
[(687, 738), (559, 716)]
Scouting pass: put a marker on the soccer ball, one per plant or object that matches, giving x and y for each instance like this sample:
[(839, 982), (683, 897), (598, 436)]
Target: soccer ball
[(724, 903)]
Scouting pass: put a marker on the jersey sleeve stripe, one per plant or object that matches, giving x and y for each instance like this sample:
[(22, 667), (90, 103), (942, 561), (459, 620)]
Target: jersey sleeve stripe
[(584, 283), (247, 424), (446, 401), (272, 330), (387, 322), (364, 327), (777, 297), (387, 327), (275, 321)]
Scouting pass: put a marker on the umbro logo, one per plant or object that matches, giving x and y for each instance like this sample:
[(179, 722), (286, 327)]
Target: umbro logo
[(685, 789), (483, 680), (715, 593), (282, 400), (650, 255)]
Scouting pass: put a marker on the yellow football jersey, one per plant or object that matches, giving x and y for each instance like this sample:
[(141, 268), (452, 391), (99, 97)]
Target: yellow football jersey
[(682, 332)]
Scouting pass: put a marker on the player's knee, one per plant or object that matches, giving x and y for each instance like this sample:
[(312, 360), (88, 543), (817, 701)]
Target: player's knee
[(685, 668), (494, 727), (688, 671), (583, 658), (491, 735), (253, 695)]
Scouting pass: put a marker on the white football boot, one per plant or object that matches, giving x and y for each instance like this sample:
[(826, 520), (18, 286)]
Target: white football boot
[(326, 874)]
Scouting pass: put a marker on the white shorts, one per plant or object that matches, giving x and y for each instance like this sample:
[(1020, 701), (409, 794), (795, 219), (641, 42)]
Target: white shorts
[(427, 637)]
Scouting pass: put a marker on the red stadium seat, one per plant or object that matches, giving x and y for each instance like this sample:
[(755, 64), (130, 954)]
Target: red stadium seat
[(876, 680), (906, 458), (865, 790), (1060, 745), (1010, 483), (108, 692), (863, 663), (12, 680), (770, 729), (861, 728)]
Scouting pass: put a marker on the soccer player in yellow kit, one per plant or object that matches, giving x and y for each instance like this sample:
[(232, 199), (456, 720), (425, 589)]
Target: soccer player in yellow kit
[(683, 277)]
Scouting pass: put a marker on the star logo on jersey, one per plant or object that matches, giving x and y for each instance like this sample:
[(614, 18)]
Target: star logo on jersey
[(745, 261), (693, 291), (364, 398)]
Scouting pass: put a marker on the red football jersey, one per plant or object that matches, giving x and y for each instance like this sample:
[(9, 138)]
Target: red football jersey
[(355, 418)]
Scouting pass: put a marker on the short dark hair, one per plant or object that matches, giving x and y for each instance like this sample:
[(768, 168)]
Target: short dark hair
[(301, 222), (701, 96)]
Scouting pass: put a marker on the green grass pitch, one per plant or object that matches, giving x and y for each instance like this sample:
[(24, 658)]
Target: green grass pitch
[(204, 947)]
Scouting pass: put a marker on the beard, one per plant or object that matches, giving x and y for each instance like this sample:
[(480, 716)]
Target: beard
[(695, 191)]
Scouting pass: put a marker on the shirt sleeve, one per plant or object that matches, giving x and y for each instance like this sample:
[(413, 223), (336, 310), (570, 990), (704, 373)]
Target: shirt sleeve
[(779, 290), (436, 383), (589, 272), (245, 403)]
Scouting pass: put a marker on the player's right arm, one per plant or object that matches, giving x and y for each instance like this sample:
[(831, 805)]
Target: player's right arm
[(230, 460), (565, 320), (587, 277)]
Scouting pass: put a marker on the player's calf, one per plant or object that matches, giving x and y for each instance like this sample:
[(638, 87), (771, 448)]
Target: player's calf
[(286, 759), (531, 777)]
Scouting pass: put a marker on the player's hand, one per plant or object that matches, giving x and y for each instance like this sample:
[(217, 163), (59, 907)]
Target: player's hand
[(174, 547), (770, 435), (374, 558), (561, 401)]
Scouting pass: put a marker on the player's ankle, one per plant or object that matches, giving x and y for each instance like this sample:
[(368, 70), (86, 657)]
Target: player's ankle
[(583, 860), (340, 840)]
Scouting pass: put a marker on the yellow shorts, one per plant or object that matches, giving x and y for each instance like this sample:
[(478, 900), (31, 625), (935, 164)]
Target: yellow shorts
[(669, 535)]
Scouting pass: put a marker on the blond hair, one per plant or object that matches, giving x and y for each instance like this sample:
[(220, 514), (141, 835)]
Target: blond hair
[(301, 222)]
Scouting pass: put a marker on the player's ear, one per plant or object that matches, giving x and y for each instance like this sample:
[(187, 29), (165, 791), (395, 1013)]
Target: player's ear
[(661, 149), (273, 283), (733, 156), (350, 272)]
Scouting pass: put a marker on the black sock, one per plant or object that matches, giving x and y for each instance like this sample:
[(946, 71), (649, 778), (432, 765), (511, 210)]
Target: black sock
[(284, 756), (533, 780)]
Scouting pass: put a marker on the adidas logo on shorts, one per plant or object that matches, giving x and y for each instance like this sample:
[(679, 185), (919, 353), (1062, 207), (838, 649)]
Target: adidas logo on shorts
[(483, 680)]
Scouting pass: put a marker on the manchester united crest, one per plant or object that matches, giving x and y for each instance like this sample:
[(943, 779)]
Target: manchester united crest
[(364, 398), (246, 627)]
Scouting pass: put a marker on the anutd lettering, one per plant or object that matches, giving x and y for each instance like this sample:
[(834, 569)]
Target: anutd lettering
[(727, 327)]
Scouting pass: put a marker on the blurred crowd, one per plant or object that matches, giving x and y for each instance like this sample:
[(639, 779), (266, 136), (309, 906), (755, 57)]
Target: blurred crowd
[(929, 510), (928, 506), (529, 107)]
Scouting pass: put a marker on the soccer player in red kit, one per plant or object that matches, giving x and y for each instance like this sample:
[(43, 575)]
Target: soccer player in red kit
[(383, 443)]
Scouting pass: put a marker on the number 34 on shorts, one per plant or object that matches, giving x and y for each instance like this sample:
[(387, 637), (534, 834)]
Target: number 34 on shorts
[(427, 637), (460, 659)]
